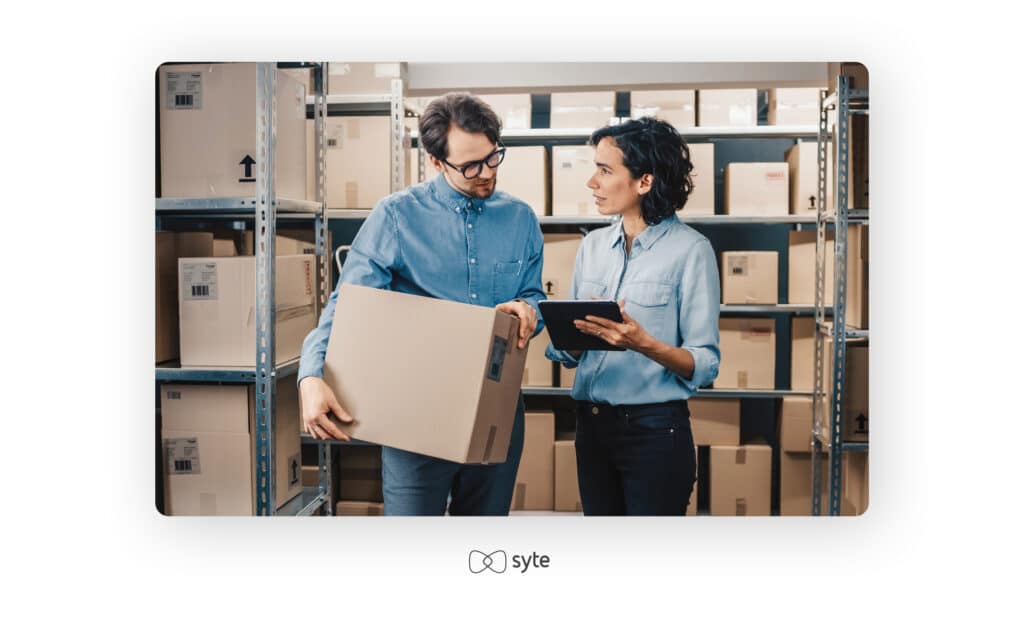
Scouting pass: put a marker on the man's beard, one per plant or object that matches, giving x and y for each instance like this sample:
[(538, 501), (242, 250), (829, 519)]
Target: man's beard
[(483, 191)]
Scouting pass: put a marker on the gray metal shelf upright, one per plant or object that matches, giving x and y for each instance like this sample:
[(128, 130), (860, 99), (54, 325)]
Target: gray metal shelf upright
[(265, 208), (841, 101)]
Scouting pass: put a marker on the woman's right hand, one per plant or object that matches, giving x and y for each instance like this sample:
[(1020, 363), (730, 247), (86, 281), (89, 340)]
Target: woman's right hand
[(317, 400)]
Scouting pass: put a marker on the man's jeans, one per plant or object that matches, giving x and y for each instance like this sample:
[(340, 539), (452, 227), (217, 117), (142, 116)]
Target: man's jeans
[(415, 484), (635, 460)]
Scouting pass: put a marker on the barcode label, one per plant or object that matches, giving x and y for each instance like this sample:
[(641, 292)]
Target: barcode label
[(184, 90), (182, 456), (199, 280), (173, 394)]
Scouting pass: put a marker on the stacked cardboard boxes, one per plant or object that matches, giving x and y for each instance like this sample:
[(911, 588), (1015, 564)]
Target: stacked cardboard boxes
[(748, 353), (793, 107), (802, 271), (535, 481), (757, 189), (741, 480), (727, 107), (677, 107), (750, 277), (583, 109), (567, 488)]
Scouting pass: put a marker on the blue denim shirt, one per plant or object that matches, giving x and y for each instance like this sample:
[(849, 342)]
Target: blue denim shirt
[(670, 284), (431, 240)]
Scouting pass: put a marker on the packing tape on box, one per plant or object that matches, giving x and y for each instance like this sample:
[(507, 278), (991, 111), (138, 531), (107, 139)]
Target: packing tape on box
[(741, 506), (519, 498), (207, 504), (489, 447), (741, 379), (741, 456), (351, 194), (354, 128)]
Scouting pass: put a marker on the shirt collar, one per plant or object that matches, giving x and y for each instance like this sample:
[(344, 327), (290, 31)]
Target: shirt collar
[(450, 197), (649, 236)]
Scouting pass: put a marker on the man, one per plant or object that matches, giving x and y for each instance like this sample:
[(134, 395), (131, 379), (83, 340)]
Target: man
[(452, 238)]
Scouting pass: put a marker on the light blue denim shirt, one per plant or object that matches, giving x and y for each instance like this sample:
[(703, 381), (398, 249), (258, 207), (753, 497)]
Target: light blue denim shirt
[(670, 284), (431, 240)]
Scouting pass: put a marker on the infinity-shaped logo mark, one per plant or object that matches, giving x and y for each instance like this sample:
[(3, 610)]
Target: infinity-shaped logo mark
[(496, 561)]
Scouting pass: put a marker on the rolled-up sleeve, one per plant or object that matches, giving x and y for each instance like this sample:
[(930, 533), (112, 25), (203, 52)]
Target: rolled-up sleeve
[(531, 290), (700, 298), (374, 254), (559, 355)]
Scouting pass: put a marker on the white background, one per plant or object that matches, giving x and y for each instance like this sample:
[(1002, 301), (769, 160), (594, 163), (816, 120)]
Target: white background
[(81, 538)]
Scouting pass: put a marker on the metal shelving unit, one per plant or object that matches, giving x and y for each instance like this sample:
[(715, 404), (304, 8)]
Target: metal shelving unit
[(263, 210), (724, 393), (846, 102)]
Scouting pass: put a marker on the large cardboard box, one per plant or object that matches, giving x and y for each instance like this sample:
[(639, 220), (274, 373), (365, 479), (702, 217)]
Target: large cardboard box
[(567, 486), (582, 109), (702, 197), (802, 159), (535, 481), (361, 78), (359, 473), (462, 412), (539, 371), (571, 168), (757, 189), (216, 304), (560, 252), (714, 421), (727, 107), (208, 132), (795, 484), (209, 447), (855, 403), (750, 277), (677, 107), (793, 107), (741, 480), (802, 271), (795, 424), (169, 247), (857, 72), (567, 376), (748, 353), (357, 157), (514, 109), (358, 508), (801, 361), (524, 175)]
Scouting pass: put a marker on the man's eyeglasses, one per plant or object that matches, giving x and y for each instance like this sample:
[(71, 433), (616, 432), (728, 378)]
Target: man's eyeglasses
[(473, 169)]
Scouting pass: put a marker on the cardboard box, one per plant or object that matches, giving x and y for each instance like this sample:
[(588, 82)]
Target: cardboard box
[(567, 376), (727, 107), (714, 421), (359, 473), (741, 480), (795, 484), (748, 353), (802, 270), (514, 109), (571, 169), (582, 109), (462, 412), (750, 277), (358, 508), (702, 197), (757, 189), (357, 157), (361, 78), (539, 371), (535, 481), (856, 71), (209, 447), (310, 476), (801, 361), (795, 424), (855, 403), (208, 132), (560, 252), (691, 507), (793, 107), (567, 486), (216, 304), (412, 158), (677, 107), (524, 175), (169, 247), (802, 159)]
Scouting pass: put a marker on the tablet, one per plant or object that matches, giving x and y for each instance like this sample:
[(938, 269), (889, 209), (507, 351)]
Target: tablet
[(558, 316)]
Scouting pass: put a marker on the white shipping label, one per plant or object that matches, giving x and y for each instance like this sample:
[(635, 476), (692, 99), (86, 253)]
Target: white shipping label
[(200, 280), (184, 90), (738, 266), (182, 455), (334, 137)]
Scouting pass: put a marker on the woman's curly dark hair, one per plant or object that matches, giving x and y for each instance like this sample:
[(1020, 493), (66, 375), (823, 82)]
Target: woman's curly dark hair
[(652, 146)]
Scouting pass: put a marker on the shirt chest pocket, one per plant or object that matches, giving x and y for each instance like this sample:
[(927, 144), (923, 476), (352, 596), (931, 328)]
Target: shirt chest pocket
[(589, 289), (507, 276), (648, 303)]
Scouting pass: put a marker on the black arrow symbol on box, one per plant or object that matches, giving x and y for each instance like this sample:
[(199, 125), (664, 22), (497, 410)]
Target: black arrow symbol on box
[(248, 161)]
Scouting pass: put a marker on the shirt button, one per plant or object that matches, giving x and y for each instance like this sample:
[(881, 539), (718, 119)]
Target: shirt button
[(473, 295), (470, 225), (472, 261), (594, 410)]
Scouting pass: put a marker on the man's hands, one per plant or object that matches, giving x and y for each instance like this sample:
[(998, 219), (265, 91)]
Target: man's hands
[(527, 319), (629, 334), (317, 400)]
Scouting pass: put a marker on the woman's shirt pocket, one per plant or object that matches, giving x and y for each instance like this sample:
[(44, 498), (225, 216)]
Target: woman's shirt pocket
[(648, 303)]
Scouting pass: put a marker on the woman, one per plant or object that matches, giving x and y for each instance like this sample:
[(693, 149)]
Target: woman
[(634, 447)]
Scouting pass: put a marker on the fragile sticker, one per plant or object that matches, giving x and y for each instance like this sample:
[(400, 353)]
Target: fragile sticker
[(182, 455), (184, 90), (200, 280)]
